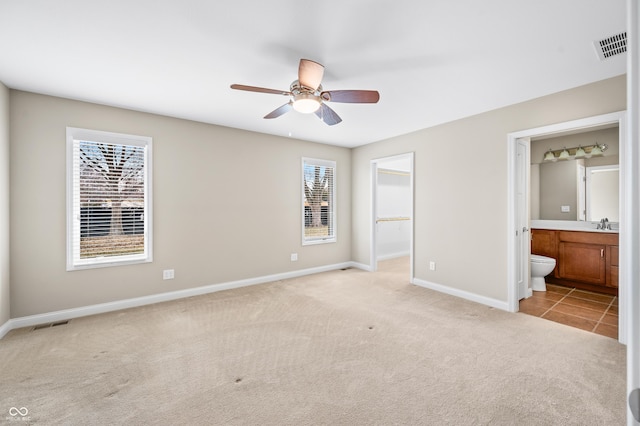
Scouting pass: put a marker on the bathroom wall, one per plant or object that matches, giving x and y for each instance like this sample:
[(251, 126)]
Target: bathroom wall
[(559, 187), (607, 136), (558, 180)]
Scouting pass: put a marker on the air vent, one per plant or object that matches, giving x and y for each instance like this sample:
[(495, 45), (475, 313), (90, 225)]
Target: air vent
[(51, 324), (611, 46)]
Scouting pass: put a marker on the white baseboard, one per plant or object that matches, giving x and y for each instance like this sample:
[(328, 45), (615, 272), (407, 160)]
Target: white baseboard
[(393, 255), (494, 303), (5, 328), (361, 266), (67, 314)]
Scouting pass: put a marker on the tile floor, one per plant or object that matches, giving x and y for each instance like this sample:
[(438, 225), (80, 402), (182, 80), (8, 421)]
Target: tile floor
[(589, 311)]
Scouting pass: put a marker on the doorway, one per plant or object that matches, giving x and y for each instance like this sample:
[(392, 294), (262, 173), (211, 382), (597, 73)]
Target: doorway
[(517, 185), (392, 210)]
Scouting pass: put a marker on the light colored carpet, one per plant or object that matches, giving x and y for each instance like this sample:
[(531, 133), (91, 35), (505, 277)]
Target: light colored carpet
[(339, 348)]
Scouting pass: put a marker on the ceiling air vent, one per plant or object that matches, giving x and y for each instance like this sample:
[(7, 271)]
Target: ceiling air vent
[(611, 46)]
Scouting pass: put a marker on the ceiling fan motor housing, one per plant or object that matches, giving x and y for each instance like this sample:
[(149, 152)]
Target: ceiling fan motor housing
[(305, 99)]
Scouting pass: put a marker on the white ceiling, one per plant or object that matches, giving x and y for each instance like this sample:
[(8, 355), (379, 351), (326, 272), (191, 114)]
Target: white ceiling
[(432, 61)]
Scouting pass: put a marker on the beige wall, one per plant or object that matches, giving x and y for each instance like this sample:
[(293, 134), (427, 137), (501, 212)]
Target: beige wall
[(227, 205), (610, 137), (206, 225), (559, 187), (461, 186), (557, 180), (4, 206)]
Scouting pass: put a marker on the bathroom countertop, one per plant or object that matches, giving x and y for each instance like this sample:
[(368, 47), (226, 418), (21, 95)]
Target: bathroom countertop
[(569, 225)]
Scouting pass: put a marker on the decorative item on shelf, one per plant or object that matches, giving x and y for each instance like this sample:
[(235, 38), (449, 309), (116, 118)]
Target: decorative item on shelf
[(575, 152)]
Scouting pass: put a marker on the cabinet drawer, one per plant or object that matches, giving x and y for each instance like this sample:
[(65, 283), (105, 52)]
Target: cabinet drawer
[(588, 237)]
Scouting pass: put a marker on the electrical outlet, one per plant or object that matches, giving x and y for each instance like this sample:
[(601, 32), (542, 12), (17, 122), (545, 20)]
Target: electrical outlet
[(294, 257), (432, 266), (168, 274)]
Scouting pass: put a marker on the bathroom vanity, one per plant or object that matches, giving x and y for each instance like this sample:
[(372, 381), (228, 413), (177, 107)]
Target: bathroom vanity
[(585, 258)]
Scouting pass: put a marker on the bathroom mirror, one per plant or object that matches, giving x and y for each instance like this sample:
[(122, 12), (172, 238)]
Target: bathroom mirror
[(602, 186), (576, 189)]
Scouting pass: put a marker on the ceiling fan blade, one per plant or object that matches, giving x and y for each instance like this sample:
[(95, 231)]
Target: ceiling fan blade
[(310, 73), (352, 96), (280, 110), (259, 89), (328, 115)]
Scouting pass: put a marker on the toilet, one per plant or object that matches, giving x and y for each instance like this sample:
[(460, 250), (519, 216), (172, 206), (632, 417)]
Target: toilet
[(541, 266)]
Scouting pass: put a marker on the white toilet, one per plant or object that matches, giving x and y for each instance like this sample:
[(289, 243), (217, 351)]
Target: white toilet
[(540, 267)]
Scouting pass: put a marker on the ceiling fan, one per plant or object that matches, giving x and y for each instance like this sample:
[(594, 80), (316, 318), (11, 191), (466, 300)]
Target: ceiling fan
[(306, 94)]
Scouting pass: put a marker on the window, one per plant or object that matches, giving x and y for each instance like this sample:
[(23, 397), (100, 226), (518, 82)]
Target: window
[(319, 207), (108, 199)]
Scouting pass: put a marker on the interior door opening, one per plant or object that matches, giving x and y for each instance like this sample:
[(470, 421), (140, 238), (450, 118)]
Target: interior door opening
[(515, 255), (392, 208)]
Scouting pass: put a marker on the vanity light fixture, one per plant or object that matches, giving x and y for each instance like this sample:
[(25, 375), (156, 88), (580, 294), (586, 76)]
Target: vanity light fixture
[(575, 152), (549, 156), (564, 155), (596, 150)]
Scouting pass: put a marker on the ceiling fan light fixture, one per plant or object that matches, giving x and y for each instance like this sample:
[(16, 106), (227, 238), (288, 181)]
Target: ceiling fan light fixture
[(306, 103)]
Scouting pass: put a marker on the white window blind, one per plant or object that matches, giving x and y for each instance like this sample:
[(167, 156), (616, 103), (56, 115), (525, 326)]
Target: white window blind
[(319, 205), (109, 217)]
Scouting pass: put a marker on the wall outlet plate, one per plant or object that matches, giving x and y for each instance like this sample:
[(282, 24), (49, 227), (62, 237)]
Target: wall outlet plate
[(565, 209), (294, 257), (432, 266), (168, 274)]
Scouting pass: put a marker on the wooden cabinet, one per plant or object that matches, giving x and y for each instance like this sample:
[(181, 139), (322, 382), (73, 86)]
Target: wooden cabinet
[(613, 267), (587, 260), (582, 262), (543, 242)]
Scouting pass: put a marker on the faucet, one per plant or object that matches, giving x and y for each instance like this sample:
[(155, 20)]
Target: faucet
[(604, 224)]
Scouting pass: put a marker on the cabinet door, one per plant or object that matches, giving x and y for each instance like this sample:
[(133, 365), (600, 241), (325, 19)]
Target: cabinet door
[(612, 263), (613, 277), (543, 242), (582, 262)]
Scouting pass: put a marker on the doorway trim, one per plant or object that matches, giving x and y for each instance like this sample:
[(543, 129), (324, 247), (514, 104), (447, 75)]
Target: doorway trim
[(618, 117), (373, 255)]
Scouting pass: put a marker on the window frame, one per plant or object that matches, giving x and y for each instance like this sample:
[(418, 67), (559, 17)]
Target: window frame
[(74, 262), (332, 211)]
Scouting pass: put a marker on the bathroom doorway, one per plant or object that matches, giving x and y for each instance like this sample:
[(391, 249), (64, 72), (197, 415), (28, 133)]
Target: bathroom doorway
[(392, 212), (515, 256)]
